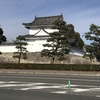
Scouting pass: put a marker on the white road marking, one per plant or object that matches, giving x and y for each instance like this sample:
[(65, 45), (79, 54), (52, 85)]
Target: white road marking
[(60, 92), (98, 96), (48, 87), (10, 82), (95, 89), (18, 84), (79, 90), (51, 87)]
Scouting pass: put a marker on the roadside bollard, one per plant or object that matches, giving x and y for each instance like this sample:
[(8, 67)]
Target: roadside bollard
[(68, 84)]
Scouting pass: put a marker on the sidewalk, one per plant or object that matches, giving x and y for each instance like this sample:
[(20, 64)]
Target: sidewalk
[(55, 72)]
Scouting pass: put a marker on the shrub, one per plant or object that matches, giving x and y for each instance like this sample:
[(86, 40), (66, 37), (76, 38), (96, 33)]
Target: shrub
[(69, 67)]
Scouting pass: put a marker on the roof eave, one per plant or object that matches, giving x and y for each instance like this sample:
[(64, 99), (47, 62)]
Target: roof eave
[(37, 26)]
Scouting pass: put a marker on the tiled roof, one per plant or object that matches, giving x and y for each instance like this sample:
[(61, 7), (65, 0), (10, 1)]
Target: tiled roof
[(44, 21)]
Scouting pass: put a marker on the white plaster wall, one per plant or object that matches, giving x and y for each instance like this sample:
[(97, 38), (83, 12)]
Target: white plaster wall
[(41, 32), (36, 46), (7, 49), (76, 52), (33, 46), (32, 32)]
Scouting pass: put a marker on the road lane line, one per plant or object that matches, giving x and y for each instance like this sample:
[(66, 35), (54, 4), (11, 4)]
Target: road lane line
[(60, 92), (98, 96)]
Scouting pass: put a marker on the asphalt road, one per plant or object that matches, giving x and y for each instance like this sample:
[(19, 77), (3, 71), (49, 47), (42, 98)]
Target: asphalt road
[(14, 86)]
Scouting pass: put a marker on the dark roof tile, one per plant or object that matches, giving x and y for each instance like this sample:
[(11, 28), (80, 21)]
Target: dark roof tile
[(40, 21)]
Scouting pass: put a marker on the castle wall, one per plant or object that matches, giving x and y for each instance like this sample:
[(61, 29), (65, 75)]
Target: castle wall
[(7, 48), (36, 58), (34, 46), (77, 52)]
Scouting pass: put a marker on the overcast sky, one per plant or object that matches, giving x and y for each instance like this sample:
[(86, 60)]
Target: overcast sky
[(80, 13)]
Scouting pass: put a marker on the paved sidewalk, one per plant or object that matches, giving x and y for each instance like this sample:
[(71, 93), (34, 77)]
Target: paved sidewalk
[(82, 73)]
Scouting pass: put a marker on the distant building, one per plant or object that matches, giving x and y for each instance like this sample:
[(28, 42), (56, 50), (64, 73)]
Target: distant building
[(39, 31)]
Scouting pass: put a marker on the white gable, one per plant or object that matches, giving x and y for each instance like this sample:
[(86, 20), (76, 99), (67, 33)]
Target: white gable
[(32, 32), (41, 32)]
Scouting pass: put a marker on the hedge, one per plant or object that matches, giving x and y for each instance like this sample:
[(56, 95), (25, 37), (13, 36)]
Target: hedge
[(69, 67)]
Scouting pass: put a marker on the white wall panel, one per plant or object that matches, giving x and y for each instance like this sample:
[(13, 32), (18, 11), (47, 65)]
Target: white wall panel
[(7, 49), (41, 32)]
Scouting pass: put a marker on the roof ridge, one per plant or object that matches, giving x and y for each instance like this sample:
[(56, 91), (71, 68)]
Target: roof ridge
[(49, 16)]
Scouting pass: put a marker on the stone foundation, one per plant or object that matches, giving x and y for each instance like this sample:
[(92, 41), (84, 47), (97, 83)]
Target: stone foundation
[(36, 58)]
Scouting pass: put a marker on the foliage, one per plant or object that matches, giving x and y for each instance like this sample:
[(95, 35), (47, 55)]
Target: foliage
[(75, 38), (20, 46), (2, 37), (58, 43), (93, 50), (69, 67)]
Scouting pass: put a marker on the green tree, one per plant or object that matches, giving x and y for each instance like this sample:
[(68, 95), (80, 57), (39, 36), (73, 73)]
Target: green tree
[(22, 50), (75, 38), (58, 43), (93, 50), (2, 37)]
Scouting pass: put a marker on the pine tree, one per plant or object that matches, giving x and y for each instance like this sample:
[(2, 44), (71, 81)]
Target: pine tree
[(93, 50), (58, 43), (2, 37), (20, 46), (75, 38)]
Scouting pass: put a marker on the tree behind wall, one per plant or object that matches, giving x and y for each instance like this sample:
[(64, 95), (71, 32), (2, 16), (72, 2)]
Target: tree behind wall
[(93, 50), (75, 38), (2, 37), (20, 46)]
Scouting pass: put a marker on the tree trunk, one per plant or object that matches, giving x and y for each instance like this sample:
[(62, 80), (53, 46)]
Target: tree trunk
[(52, 59), (19, 58)]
